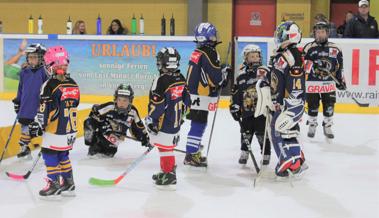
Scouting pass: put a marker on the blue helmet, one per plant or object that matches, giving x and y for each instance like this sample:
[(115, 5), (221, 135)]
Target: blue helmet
[(287, 33), (206, 34)]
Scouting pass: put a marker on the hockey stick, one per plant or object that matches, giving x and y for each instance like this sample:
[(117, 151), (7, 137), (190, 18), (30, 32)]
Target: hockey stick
[(267, 125), (175, 149), (360, 104), (25, 176), (218, 100), (9, 138), (257, 169), (354, 99), (111, 182)]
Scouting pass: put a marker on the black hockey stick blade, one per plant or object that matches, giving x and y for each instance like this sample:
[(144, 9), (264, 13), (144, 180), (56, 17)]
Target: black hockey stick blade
[(360, 104)]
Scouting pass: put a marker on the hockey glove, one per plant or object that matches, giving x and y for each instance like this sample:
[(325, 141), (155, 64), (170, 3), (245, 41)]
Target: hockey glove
[(16, 105), (146, 141), (235, 111), (226, 71), (35, 129), (151, 127), (341, 85)]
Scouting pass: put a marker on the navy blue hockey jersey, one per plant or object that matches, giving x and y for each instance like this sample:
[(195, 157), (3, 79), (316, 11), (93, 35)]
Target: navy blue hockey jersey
[(168, 98), (322, 61), (287, 75), (28, 93)]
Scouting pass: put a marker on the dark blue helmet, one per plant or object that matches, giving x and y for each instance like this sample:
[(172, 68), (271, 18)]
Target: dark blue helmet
[(206, 34)]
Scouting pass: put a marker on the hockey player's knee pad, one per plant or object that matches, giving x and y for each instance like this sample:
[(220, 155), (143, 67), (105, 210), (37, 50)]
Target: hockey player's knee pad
[(291, 133)]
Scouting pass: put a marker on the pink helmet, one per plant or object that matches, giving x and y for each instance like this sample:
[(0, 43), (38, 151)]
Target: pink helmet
[(56, 56)]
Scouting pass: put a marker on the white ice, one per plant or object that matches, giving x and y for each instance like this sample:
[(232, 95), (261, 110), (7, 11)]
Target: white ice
[(342, 180)]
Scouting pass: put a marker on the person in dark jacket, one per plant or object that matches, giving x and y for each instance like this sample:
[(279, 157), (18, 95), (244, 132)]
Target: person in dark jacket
[(341, 29), (362, 25)]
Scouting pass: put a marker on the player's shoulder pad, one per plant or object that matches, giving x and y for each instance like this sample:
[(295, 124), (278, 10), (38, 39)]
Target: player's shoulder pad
[(210, 55), (71, 81), (105, 108), (308, 46), (241, 75), (195, 56), (180, 75), (133, 108), (48, 87), (159, 83), (334, 46), (134, 112)]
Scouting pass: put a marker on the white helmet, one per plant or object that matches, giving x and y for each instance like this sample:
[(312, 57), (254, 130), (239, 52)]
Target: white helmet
[(252, 48)]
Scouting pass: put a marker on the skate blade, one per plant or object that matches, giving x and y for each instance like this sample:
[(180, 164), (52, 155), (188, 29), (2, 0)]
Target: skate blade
[(68, 194), (204, 165), (95, 156), (195, 168), (166, 187), (51, 198)]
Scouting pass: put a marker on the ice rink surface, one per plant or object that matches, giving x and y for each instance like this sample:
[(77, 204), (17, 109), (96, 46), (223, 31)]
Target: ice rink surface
[(342, 180)]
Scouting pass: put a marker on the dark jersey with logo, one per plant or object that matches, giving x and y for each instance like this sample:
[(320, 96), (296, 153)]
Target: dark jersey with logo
[(287, 76), (168, 98)]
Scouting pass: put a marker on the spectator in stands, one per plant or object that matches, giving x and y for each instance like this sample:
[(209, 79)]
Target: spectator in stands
[(341, 29), (79, 28), (362, 25), (116, 28), (332, 27)]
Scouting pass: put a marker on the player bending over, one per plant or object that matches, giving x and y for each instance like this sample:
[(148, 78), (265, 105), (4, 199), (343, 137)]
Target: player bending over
[(108, 123)]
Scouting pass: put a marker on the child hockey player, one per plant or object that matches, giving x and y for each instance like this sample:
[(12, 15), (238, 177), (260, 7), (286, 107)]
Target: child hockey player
[(288, 91), (56, 121), (244, 100), (205, 78), (108, 124), (169, 98), (27, 100), (324, 65)]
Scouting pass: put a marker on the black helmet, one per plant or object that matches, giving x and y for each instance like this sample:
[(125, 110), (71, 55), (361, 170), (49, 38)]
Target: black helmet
[(168, 58), (322, 25), (124, 90), (38, 49)]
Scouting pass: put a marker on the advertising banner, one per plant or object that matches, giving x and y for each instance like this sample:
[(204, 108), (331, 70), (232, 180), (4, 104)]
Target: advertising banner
[(100, 65)]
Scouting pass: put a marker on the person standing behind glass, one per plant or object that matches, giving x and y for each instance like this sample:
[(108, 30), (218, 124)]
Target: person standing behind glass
[(362, 25), (116, 28), (341, 29), (79, 28)]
